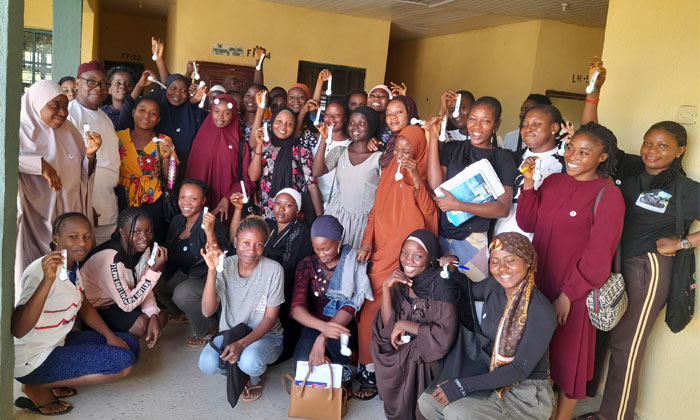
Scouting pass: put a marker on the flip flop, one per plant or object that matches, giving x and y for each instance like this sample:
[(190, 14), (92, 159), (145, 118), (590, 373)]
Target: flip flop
[(204, 342), (27, 404), (245, 396), (177, 319), (366, 388), (70, 392)]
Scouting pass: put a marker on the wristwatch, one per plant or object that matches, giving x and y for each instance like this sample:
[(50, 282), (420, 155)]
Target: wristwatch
[(685, 243)]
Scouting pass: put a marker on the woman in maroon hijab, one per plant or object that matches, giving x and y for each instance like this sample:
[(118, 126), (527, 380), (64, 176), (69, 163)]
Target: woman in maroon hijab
[(216, 156)]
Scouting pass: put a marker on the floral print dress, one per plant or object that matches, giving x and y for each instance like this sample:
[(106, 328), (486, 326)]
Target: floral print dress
[(139, 172), (302, 161)]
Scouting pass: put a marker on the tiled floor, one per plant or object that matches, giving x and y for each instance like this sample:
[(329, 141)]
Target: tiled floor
[(167, 384)]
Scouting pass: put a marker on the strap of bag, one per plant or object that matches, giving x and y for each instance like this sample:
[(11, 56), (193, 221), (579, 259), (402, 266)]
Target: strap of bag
[(618, 252), (300, 394), (680, 228), (287, 382)]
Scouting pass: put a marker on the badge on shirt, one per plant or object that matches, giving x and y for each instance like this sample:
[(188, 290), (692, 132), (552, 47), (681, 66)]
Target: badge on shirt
[(262, 305), (654, 200)]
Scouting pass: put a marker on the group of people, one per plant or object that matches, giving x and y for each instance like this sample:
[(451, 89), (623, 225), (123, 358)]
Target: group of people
[(307, 223)]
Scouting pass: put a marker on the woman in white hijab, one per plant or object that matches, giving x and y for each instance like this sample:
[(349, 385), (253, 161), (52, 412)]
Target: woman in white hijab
[(55, 169)]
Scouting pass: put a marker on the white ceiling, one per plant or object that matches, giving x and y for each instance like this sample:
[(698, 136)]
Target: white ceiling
[(422, 18)]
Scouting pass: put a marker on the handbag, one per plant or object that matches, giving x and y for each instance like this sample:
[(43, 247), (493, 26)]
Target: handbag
[(680, 303), (307, 402), (236, 379), (607, 303)]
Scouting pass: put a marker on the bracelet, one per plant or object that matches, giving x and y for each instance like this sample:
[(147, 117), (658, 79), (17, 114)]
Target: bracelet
[(592, 101), (257, 153)]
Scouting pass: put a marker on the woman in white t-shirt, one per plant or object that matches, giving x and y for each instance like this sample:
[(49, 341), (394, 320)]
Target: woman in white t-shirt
[(250, 289), (49, 358)]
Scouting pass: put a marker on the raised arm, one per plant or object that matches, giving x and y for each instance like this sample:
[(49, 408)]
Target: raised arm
[(590, 107), (258, 76), (319, 166), (323, 76), (210, 302), (259, 113), (255, 166), (435, 172), (157, 43)]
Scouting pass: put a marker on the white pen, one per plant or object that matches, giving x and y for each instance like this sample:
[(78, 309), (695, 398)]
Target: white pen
[(590, 89), (204, 213), (245, 195), (416, 121), (195, 73), (328, 88), (455, 113), (259, 66), (220, 264), (63, 274), (443, 130), (154, 252), (154, 80)]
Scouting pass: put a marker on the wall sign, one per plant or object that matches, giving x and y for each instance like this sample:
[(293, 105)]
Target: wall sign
[(131, 57), (233, 50)]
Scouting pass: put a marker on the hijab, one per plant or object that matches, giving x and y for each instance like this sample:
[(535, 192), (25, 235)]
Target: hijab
[(327, 227), (282, 172), (412, 112), (214, 155), (371, 116), (429, 284), (180, 122)]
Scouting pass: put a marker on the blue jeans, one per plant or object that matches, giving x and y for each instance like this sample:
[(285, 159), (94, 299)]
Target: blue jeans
[(253, 360)]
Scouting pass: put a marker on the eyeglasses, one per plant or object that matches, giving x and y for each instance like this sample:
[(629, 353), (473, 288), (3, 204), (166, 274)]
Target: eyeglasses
[(94, 83)]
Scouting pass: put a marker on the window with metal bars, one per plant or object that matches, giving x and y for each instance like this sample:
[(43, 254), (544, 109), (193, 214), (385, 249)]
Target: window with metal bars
[(36, 60)]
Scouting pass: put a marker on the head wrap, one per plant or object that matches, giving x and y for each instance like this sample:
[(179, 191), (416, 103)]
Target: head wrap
[(371, 116), (90, 66), (282, 171), (180, 122), (411, 112), (327, 227), (429, 284), (292, 192), (303, 87), (217, 88), (382, 87), (512, 324)]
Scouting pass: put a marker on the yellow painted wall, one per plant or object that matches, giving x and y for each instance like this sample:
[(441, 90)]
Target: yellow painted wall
[(124, 37), (507, 62), (38, 14), (90, 40), (652, 55), (290, 34)]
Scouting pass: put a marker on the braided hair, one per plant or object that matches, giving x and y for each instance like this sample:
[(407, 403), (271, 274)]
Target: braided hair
[(606, 137), (253, 222), (58, 223), (495, 106), (554, 115), (128, 218), (665, 178)]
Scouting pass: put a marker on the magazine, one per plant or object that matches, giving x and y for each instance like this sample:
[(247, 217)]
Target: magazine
[(477, 183)]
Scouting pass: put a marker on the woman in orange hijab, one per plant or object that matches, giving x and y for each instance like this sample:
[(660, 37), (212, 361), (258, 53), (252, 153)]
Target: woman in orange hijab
[(402, 204)]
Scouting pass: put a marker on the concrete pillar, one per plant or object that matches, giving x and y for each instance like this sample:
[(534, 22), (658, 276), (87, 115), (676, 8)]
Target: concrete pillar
[(67, 25), (11, 46)]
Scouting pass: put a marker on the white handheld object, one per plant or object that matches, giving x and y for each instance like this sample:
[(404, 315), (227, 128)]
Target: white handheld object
[(344, 349), (63, 274), (318, 116), (416, 121), (562, 148), (398, 176), (537, 176), (259, 66), (195, 73), (201, 102), (154, 57), (156, 140), (328, 88), (204, 213), (458, 102), (329, 139), (443, 130), (445, 273), (154, 252), (220, 264), (86, 128), (590, 89), (262, 100), (406, 338), (199, 86), (245, 195), (266, 135), (154, 80)]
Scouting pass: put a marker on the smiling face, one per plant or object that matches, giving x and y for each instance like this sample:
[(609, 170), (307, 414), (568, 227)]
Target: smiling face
[(396, 116), (508, 269), (335, 114), (539, 131), (326, 250), (190, 200), (249, 103), (122, 84), (75, 236), (55, 112), (146, 115), (296, 98), (285, 209), (176, 93), (378, 100), (481, 124), (465, 106), (583, 154), (659, 150), (141, 236), (250, 244), (355, 100), (404, 149), (88, 97), (413, 259), (68, 88), (358, 129), (221, 114), (283, 125)]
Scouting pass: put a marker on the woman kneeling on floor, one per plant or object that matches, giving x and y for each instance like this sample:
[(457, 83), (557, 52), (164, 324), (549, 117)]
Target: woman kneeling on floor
[(518, 321), (250, 290), (49, 358)]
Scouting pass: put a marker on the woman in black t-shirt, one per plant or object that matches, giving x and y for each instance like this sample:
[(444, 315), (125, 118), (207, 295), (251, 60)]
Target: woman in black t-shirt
[(469, 240)]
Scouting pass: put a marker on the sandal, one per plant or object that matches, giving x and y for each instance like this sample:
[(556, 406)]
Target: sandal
[(26, 403), (369, 390), (177, 319), (63, 392), (250, 391), (195, 341)]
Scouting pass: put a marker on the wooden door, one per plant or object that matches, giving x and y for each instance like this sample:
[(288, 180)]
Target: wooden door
[(215, 73)]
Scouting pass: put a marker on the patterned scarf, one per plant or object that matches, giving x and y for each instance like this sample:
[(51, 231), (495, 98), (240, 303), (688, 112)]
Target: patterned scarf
[(514, 318)]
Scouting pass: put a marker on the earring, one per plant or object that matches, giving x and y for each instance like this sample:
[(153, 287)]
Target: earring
[(339, 247), (554, 132)]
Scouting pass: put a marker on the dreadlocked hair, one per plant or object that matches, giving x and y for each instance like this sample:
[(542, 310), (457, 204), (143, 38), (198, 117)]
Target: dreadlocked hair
[(665, 178), (606, 137), (58, 223), (127, 220), (495, 106), (253, 222)]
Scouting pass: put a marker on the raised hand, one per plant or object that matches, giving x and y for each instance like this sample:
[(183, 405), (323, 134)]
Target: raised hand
[(94, 143), (323, 75), (596, 64), (157, 47), (397, 90)]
